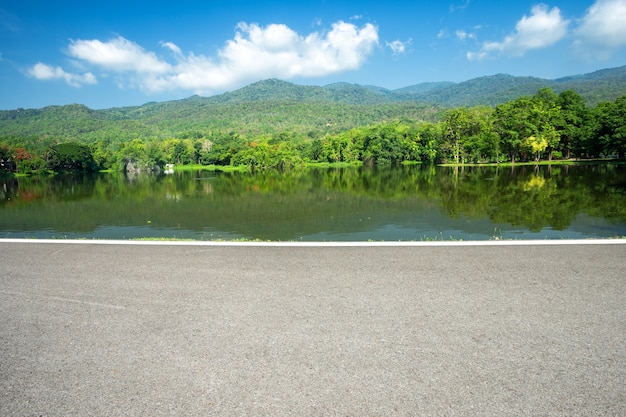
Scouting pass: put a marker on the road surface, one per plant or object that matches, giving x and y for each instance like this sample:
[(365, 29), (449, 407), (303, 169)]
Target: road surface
[(97, 329)]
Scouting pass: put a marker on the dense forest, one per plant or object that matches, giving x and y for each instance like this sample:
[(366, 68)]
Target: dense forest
[(259, 129), (543, 126)]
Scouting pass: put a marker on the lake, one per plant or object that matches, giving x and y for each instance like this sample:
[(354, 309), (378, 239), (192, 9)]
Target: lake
[(408, 203)]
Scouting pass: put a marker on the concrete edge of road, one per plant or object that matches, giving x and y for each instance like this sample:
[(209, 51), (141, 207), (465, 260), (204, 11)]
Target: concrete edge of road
[(546, 242)]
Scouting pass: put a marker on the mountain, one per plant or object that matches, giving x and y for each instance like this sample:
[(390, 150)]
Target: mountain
[(271, 106), (272, 89), (603, 85), (489, 90), (421, 88), (357, 94)]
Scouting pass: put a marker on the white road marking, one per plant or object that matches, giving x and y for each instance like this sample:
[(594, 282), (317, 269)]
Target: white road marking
[(545, 242)]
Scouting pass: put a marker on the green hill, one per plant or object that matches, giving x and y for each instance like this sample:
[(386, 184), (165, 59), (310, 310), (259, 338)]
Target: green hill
[(273, 106), (603, 85), (490, 90)]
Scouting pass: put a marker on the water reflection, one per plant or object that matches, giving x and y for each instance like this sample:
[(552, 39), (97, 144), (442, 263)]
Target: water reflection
[(404, 203)]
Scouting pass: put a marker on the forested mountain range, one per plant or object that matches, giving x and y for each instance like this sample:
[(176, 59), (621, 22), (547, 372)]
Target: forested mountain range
[(603, 85), (595, 87), (272, 106)]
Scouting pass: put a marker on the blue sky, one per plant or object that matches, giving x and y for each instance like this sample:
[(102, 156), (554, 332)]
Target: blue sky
[(121, 53)]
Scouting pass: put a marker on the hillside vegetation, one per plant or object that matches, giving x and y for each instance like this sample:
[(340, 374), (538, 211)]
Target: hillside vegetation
[(272, 106), (277, 124)]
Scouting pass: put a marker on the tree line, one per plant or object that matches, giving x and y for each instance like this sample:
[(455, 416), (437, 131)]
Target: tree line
[(544, 126)]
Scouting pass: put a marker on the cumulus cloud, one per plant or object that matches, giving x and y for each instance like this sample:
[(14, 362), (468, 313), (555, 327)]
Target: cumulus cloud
[(118, 54), (46, 72), (543, 28), (255, 52), (398, 47), (602, 29)]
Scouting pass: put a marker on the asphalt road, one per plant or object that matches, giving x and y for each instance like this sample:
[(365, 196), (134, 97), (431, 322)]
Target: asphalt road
[(153, 330)]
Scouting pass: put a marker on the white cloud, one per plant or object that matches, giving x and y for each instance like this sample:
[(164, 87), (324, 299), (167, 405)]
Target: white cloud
[(463, 35), (118, 54), (542, 29), (602, 29), (254, 53), (46, 72), (172, 47), (398, 47)]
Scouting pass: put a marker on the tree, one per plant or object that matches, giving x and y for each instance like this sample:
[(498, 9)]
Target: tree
[(430, 136), (618, 142), (337, 148), (264, 155), (455, 125), (103, 155), (611, 126), (515, 121), (535, 145), (575, 121), (133, 157), (314, 150), (21, 155), (387, 143), (547, 118), (7, 163), (468, 134), (223, 148), (70, 156), (481, 143)]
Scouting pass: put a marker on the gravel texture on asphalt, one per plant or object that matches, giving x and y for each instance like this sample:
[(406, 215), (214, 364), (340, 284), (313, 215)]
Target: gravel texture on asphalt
[(95, 330)]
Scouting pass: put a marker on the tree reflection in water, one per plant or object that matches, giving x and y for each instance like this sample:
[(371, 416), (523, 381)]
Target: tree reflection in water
[(390, 203)]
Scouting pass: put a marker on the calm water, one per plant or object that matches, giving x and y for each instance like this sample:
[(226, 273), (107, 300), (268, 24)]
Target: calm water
[(351, 204)]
